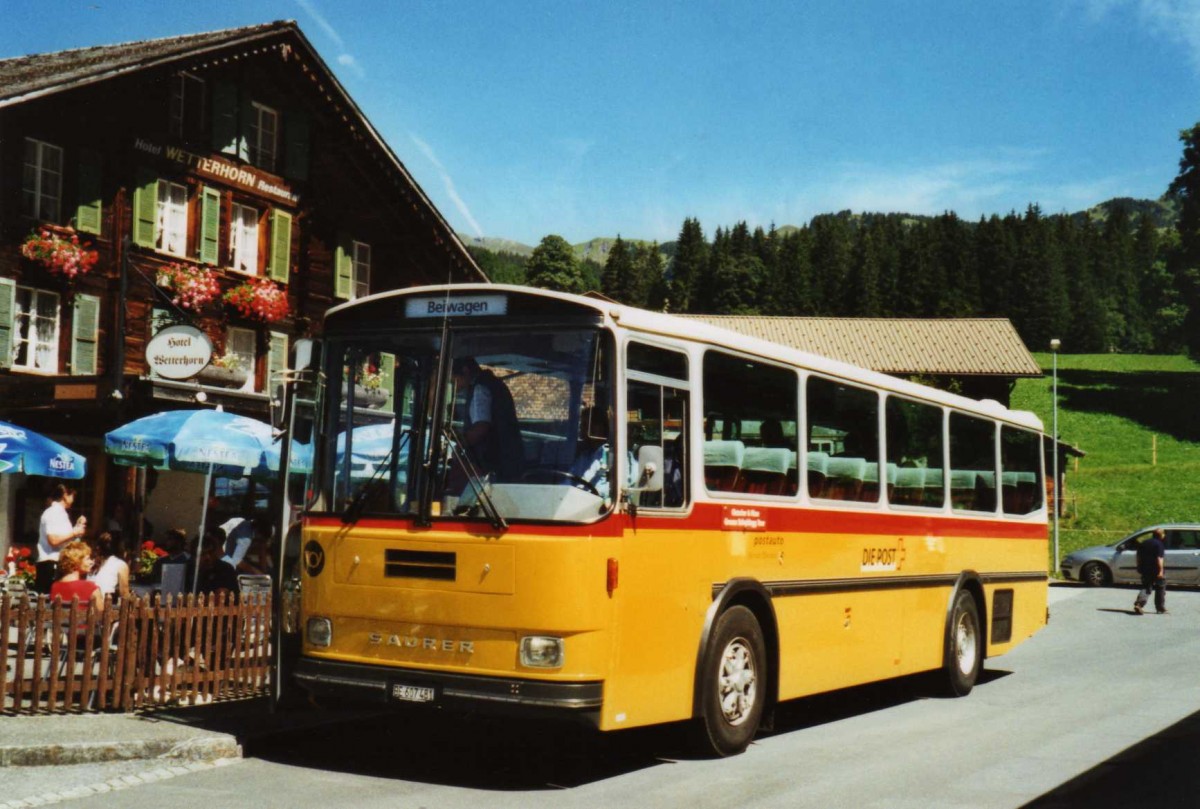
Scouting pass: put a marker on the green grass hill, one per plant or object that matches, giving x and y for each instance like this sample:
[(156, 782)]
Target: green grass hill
[(1136, 418)]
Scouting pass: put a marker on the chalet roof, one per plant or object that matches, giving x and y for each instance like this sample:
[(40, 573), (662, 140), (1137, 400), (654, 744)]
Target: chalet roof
[(950, 346), (25, 78)]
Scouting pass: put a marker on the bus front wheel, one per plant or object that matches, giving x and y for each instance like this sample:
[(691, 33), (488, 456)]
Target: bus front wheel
[(734, 683), (964, 647)]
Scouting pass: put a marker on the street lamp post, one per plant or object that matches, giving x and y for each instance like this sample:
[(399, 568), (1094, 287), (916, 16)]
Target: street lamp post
[(1055, 344)]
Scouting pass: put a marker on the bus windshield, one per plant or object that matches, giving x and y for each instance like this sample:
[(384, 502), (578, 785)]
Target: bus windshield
[(469, 423)]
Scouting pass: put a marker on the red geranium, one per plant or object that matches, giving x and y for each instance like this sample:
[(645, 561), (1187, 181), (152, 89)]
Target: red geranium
[(261, 299), (194, 285), (60, 255)]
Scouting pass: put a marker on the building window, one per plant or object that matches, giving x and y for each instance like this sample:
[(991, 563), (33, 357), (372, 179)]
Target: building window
[(171, 231), (35, 330), (41, 181), (264, 131), (186, 110), (243, 239), (362, 270), (241, 343)]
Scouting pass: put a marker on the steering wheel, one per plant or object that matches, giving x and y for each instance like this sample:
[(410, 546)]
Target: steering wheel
[(570, 477)]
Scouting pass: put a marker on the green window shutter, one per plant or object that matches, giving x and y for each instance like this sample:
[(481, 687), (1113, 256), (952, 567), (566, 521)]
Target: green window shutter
[(296, 131), (85, 335), (387, 379), (281, 246), (90, 209), (343, 268), (145, 208), (8, 309), (277, 361), (210, 225), (226, 129)]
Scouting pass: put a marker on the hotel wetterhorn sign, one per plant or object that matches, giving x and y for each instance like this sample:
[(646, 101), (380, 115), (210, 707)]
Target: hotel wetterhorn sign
[(178, 352)]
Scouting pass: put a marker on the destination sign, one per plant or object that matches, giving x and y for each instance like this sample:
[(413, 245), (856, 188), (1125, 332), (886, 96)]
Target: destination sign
[(457, 306)]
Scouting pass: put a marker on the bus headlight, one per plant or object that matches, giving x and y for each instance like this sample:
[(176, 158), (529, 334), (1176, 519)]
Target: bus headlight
[(539, 651), (320, 631)]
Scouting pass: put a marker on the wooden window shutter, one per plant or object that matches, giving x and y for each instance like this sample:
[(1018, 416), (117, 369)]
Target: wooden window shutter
[(210, 225), (277, 360), (296, 156), (85, 335), (343, 269), (8, 309), (226, 129), (145, 208), (387, 379), (88, 214), (281, 246)]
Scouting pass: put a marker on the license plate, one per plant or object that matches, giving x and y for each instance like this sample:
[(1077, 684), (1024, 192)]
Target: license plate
[(412, 693)]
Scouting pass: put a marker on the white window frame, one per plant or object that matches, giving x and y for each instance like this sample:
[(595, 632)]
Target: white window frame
[(246, 351), (24, 318), (264, 136), (243, 239), (41, 185), (171, 224), (360, 271)]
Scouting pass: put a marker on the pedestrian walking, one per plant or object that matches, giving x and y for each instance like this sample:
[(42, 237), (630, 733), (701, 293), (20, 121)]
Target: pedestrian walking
[(1151, 557)]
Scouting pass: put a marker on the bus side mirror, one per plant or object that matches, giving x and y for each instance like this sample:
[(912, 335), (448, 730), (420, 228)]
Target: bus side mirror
[(650, 469)]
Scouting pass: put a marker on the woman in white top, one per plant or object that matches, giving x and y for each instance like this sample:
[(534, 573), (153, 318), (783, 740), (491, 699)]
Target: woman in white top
[(112, 572), (55, 531)]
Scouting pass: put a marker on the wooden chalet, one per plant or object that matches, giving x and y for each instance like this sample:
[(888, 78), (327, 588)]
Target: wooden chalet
[(234, 157)]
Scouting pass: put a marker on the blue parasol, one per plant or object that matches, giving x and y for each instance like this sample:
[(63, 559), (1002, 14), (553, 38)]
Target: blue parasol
[(23, 450), (193, 441)]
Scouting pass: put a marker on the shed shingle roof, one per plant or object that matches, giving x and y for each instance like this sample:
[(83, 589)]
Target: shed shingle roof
[(954, 346)]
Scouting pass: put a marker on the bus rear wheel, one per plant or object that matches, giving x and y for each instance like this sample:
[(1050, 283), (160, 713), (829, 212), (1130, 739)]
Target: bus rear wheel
[(734, 685), (964, 647)]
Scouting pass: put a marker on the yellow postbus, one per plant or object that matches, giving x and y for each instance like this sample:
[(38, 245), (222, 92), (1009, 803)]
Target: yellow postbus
[(545, 503)]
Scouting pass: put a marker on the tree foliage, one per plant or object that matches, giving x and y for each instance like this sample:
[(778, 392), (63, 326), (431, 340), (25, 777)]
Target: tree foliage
[(1110, 279)]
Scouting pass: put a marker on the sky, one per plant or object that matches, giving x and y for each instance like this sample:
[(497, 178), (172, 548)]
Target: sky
[(588, 119)]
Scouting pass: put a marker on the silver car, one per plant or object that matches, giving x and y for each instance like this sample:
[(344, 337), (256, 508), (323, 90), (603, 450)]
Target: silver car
[(1117, 563)]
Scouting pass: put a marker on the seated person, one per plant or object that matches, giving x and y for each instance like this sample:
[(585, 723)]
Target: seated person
[(593, 463), (74, 563), (216, 573), (771, 434), (175, 544)]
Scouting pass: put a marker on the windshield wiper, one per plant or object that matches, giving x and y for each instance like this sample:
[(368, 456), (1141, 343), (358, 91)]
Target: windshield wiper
[(473, 477), (354, 511)]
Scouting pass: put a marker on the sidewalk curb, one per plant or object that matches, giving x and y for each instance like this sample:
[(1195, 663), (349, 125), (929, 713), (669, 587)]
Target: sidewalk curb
[(182, 750), (39, 741)]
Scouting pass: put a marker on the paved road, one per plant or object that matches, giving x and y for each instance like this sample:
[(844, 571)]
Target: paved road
[(1100, 709)]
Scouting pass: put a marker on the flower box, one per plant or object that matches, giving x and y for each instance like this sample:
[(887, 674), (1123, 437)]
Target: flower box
[(58, 250), (192, 286), (220, 377), (261, 299), (373, 398)]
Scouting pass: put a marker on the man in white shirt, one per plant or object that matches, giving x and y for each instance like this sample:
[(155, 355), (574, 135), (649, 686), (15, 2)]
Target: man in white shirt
[(55, 531)]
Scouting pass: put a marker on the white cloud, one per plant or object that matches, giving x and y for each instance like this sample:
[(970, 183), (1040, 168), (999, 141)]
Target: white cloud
[(344, 59), (1175, 20), (447, 183)]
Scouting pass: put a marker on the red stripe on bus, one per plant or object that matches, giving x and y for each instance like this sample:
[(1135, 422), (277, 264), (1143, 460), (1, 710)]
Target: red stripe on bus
[(712, 517)]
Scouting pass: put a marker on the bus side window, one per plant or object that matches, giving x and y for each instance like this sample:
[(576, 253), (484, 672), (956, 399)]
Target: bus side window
[(972, 463), (843, 421), (1021, 467), (750, 428), (914, 442), (657, 415)]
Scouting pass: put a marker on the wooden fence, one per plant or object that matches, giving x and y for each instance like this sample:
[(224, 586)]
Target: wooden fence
[(67, 658)]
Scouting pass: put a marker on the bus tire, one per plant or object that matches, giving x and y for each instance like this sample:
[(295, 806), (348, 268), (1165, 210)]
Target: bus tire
[(964, 647), (734, 685)]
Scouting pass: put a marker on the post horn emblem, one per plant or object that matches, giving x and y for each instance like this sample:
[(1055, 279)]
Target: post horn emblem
[(314, 558)]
